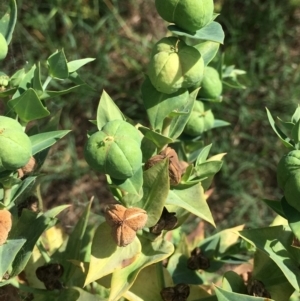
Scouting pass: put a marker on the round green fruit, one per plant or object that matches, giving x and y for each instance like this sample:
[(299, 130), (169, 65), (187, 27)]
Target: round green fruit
[(115, 150), (201, 120), (190, 15), (211, 86), (3, 47), (288, 166), (15, 145), (175, 65), (288, 177)]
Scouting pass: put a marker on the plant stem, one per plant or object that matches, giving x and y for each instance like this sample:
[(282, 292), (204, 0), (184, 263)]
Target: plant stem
[(7, 195), (46, 83), (43, 251)]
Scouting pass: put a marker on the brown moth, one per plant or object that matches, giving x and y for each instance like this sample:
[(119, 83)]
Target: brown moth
[(125, 222), (5, 225)]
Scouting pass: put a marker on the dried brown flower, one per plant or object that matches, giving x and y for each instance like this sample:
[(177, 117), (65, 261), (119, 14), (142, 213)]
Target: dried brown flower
[(179, 292), (125, 222), (167, 221), (198, 261)]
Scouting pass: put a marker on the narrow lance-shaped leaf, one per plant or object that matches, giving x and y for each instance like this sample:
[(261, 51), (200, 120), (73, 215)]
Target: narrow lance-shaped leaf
[(211, 32), (285, 140), (178, 123), (9, 20), (107, 111), (75, 65), (44, 140), (156, 188)]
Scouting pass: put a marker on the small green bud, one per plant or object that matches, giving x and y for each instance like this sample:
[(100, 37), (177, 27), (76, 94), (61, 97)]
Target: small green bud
[(211, 86)]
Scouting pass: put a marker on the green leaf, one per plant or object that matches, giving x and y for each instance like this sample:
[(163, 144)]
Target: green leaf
[(151, 253), (177, 267), (132, 187), (211, 32), (70, 294), (74, 248), (8, 21), (296, 132), (219, 246), (36, 81), (206, 169), (24, 186), (288, 125), (147, 275), (44, 140), (208, 50), (284, 139), (156, 188), (178, 123), (296, 115), (193, 200), (55, 211), (220, 123), (106, 256), (57, 65), (159, 105), (233, 282), (28, 106), (107, 111), (25, 83), (49, 94), (224, 295), (203, 154), (274, 241), (75, 65), (30, 227), (266, 271), (276, 206), (293, 217), (8, 252), (159, 140)]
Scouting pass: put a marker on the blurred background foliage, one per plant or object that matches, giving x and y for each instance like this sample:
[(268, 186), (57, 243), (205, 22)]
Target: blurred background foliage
[(262, 38)]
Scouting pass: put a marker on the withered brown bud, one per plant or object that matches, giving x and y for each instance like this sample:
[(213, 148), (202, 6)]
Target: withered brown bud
[(31, 203), (167, 221), (49, 274), (198, 261), (296, 242), (179, 292), (257, 289), (125, 222), (28, 168), (176, 168)]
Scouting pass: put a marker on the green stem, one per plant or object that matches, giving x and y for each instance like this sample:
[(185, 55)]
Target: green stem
[(160, 275), (46, 83), (166, 126), (7, 196), (39, 196), (43, 251)]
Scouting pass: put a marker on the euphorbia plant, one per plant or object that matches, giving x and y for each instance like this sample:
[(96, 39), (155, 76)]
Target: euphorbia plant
[(158, 174)]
